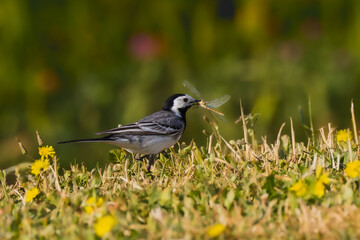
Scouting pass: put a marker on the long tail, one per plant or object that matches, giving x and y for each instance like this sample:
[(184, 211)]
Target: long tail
[(87, 140)]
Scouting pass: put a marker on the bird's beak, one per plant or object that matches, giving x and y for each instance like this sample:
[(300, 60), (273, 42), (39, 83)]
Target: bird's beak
[(196, 102)]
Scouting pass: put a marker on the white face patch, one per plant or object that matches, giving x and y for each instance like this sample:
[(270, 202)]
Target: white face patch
[(181, 102)]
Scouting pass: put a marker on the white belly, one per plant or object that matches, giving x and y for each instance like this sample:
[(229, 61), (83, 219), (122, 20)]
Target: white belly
[(147, 144)]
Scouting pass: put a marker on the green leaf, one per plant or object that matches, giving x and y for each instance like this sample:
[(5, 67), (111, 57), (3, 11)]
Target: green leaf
[(116, 155)]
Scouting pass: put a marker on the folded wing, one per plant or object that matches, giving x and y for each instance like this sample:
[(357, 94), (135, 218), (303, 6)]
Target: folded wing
[(159, 123), (144, 128)]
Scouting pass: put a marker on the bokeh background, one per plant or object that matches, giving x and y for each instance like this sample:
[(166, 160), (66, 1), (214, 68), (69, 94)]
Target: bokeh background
[(72, 68)]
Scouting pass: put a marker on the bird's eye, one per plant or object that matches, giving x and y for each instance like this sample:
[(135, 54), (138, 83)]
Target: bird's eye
[(185, 99)]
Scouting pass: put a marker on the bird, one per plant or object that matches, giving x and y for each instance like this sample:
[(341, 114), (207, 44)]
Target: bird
[(152, 134)]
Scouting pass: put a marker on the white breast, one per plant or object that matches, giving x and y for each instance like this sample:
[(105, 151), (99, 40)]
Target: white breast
[(148, 144)]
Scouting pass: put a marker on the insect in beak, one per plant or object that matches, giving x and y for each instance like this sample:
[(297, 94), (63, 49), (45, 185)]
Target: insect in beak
[(202, 103)]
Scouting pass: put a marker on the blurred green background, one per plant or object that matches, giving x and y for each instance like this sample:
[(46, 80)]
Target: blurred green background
[(72, 68)]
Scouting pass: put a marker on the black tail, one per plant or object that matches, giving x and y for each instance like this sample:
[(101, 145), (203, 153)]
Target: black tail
[(86, 140)]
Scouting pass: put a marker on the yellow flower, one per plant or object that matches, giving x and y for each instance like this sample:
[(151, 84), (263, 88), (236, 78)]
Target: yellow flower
[(216, 230), (38, 165), (99, 202), (31, 194), (300, 188), (46, 152), (321, 181), (319, 189), (91, 200), (89, 209), (46, 164), (91, 203), (353, 169), (319, 171), (104, 225), (324, 178), (343, 135)]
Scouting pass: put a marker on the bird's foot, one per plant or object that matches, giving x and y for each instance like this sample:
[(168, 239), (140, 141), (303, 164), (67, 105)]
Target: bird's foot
[(149, 174), (151, 162), (142, 158), (165, 154)]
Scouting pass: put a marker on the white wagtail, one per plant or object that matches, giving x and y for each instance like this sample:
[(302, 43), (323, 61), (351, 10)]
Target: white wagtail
[(152, 134)]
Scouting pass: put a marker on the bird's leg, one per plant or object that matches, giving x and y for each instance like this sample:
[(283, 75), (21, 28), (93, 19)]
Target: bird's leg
[(151, 162), (165, 154), (142, 158)]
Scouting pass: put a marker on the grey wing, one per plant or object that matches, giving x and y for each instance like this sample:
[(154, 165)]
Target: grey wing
[(130, 129), (159, 123), (166, 122)]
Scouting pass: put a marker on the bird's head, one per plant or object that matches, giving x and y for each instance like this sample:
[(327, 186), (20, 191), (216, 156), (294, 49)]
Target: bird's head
[(179, 104)]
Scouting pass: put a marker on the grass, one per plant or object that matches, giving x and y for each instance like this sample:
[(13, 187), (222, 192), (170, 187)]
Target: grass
[(227, 190)]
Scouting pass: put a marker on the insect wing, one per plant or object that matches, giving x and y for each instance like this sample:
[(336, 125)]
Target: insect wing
[(218, 102), (211, 104), (192, 88)]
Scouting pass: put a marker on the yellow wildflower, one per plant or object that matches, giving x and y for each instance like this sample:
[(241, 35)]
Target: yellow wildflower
[(343, 135), (216, 230), (99, 202), (319, 171), (46, 164), (319, 189), (31, 194), (89, 209), (324, 178), (321, 181), (300, 188), (46, 152), (91, 203), (38, 165), (353, 169), (91, 200), (104, 225)]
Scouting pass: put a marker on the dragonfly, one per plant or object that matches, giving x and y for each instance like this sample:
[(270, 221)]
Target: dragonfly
[(210, 105)]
